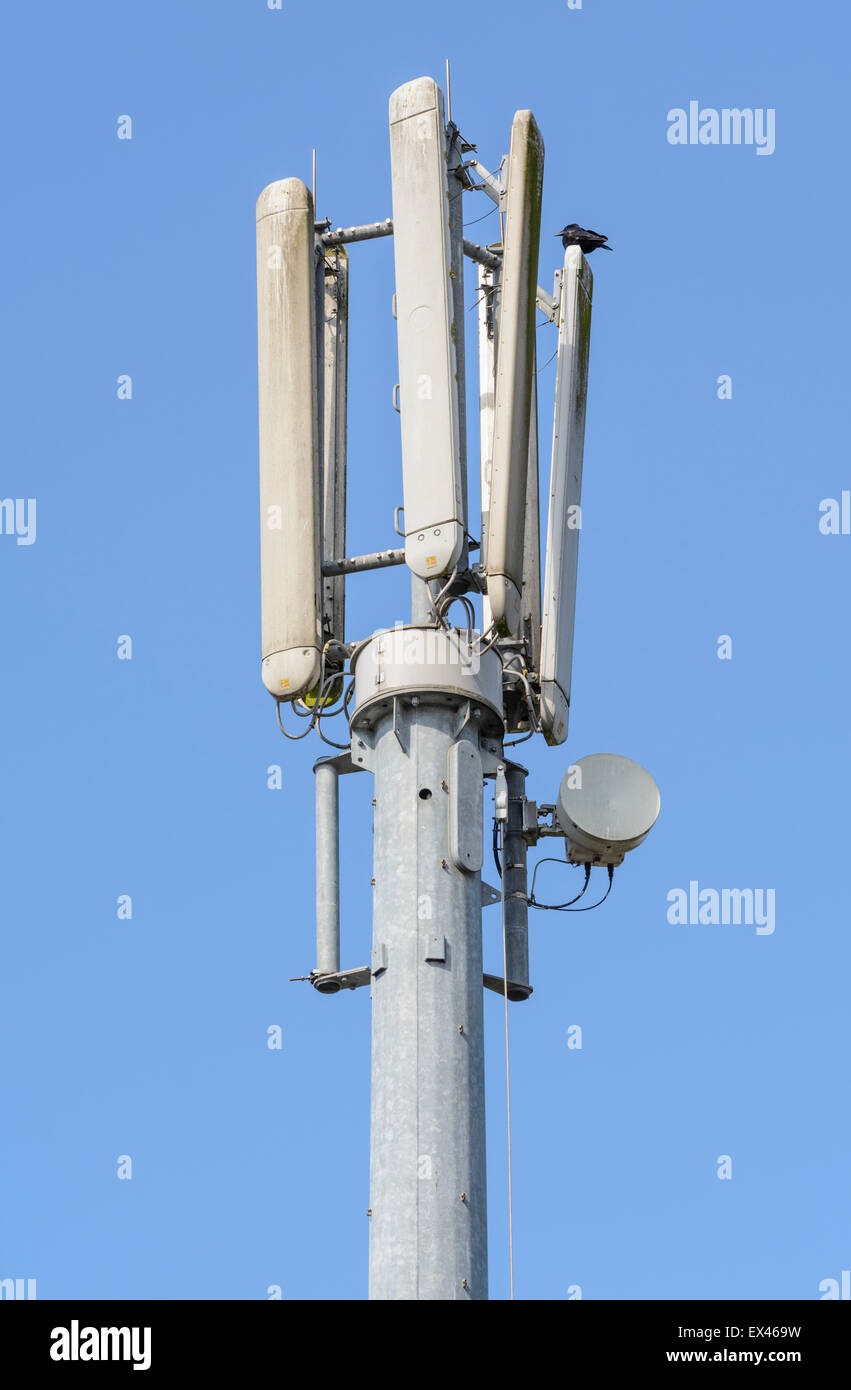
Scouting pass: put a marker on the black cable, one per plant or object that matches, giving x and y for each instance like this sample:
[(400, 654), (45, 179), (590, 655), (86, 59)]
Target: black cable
[(562, 907), (496, 848), (611, 869), (484, 214)]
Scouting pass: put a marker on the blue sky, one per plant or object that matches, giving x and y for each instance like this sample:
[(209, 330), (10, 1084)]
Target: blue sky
[(148, 777)]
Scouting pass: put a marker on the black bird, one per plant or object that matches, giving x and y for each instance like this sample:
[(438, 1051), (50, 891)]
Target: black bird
[(574, 235)]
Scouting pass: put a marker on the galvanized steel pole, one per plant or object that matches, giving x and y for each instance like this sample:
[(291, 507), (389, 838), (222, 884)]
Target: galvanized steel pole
[(427, 723), (428, 1233)]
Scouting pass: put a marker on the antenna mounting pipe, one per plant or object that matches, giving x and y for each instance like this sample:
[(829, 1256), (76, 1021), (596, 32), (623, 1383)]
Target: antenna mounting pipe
[(340, 235)]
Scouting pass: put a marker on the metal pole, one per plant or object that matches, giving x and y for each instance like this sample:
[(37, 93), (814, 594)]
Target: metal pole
[(428, 1232), (327, 868), (340, 236), (376, 560), (514, 880), (421, 596)]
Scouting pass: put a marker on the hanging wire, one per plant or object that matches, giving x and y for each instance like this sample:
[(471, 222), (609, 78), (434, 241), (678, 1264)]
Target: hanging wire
[(489, 212), (567, 907), (329, 714), (548, 361), (286, 732), (435, 602), (467, 605), (323, 712), (491, 643), (556, 907), (591, 906), (314, 713)]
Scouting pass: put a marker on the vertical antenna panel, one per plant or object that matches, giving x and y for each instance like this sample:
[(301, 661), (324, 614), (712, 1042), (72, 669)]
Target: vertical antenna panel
[(531, 594), (456, 178), (488, 295), (574, 339), (431, 456), (289, 440), (514, 372), (334, 403)]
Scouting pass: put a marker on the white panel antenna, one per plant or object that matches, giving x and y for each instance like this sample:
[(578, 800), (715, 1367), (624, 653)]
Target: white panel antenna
[(488, 294), (574, 338), (530, 607), (514, 373), (428, 388), (289, 441)]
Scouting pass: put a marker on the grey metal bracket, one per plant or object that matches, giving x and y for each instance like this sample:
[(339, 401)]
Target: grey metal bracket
[(363, 751), (490, 895), (545, 809), (343, 762), (469, 717), (516, 993), (399, 723), (492, 757), (341, 979)]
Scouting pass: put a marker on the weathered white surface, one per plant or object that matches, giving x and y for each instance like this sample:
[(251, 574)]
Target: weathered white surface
[(429, 407), (514, 372), (488, 296), (559, 602), (607, 805), (289, 440)]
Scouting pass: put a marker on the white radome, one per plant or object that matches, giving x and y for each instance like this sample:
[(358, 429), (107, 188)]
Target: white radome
[(607, 805)]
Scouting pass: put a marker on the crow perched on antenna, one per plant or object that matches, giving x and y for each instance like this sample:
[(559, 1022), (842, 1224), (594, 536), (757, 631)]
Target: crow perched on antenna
[(574, 235)]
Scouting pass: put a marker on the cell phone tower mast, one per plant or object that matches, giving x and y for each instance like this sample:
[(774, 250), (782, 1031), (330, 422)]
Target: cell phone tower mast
[(429, 705)]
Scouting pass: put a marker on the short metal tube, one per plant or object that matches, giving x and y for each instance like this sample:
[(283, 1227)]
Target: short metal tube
[(327, 868), (376, 560), (341, 236), (516, 890), (481, 254)]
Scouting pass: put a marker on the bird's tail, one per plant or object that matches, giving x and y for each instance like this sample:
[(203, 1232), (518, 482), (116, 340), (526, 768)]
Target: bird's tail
[(607, 248)]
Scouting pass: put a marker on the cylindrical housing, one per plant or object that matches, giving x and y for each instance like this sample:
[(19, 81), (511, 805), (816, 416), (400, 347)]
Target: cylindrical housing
[(607, 805), (327, 870), (289, 440), (433, 663), (435, 505)]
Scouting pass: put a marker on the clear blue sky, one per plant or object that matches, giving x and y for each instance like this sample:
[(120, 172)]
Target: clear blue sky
[(148, 777)]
